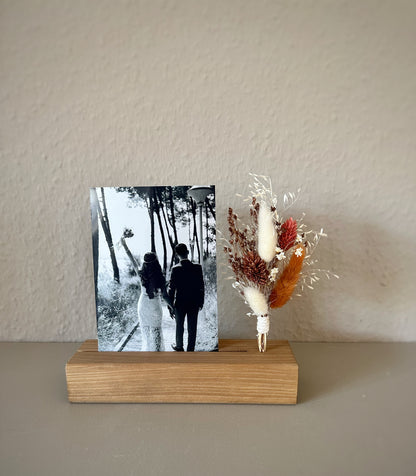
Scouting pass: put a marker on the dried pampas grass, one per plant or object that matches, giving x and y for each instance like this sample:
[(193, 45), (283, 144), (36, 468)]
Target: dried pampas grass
[(267, 236), (285, 286)]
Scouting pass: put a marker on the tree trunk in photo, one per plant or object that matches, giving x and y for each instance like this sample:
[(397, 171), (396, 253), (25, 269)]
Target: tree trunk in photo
[(206, 229), (162, 233), (190, 239), (150, 209), (195, 230), (109, 239), (165, 220), (105, 225), (95, 234), (172, 215), (130, 255), (172, 222), (171, 242), (211, 208)]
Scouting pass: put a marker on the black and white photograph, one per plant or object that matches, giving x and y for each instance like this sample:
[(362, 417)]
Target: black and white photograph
[(155, 275)]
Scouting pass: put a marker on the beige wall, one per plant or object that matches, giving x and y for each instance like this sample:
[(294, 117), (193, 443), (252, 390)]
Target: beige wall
[(317, 94)]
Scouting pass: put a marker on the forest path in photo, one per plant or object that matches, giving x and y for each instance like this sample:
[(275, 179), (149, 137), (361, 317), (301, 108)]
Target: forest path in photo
[(206, 335), (168, 330)]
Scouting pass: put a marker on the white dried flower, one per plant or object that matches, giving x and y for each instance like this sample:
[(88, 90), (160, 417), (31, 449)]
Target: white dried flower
[(299, 252), (280, 254), (273, 274)]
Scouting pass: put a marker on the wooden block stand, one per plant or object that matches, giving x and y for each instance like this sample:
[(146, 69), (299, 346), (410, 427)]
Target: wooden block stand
[(238, 373)]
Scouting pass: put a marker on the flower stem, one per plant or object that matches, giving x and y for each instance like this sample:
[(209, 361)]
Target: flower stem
[(262, 342)]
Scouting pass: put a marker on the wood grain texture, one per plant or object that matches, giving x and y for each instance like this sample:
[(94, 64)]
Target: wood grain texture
[(238, 373)]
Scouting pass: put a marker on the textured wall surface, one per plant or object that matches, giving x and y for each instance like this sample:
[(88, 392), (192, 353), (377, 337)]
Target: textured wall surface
[(317, 94)]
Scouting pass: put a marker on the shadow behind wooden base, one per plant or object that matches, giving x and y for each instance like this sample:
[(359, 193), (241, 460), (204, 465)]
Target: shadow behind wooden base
[(238, 373)]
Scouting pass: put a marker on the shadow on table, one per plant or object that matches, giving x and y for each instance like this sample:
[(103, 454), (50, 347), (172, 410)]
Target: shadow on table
[(327, 368)]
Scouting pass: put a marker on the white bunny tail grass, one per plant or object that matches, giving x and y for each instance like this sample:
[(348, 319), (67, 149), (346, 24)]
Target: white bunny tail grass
[(267, 236), (259, 305), (256, 300)]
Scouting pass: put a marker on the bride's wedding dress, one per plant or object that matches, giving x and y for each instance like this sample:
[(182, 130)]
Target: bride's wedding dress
[(150, 319)]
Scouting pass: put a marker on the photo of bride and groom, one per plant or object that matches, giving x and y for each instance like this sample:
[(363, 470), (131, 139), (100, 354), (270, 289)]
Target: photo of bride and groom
[(154, 255)]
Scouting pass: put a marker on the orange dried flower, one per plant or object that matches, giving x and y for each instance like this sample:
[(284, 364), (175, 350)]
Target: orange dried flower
[(285, 286)]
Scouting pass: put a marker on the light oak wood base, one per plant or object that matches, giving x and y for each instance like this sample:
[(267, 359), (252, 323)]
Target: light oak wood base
[(238, 373)]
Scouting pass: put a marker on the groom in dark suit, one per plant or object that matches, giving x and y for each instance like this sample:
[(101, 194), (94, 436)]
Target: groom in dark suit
[(186, 293)]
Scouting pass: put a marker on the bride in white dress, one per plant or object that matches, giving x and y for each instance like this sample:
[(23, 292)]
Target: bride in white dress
[(149, 307)]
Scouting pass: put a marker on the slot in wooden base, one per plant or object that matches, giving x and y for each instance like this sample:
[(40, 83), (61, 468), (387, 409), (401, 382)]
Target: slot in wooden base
[(238, 373)]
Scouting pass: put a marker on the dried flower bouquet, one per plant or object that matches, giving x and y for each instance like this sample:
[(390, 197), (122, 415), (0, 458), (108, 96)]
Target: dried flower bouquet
[(271, 256)]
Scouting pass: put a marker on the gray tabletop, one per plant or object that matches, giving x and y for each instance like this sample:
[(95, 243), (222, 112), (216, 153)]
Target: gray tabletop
[(356, 416)]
